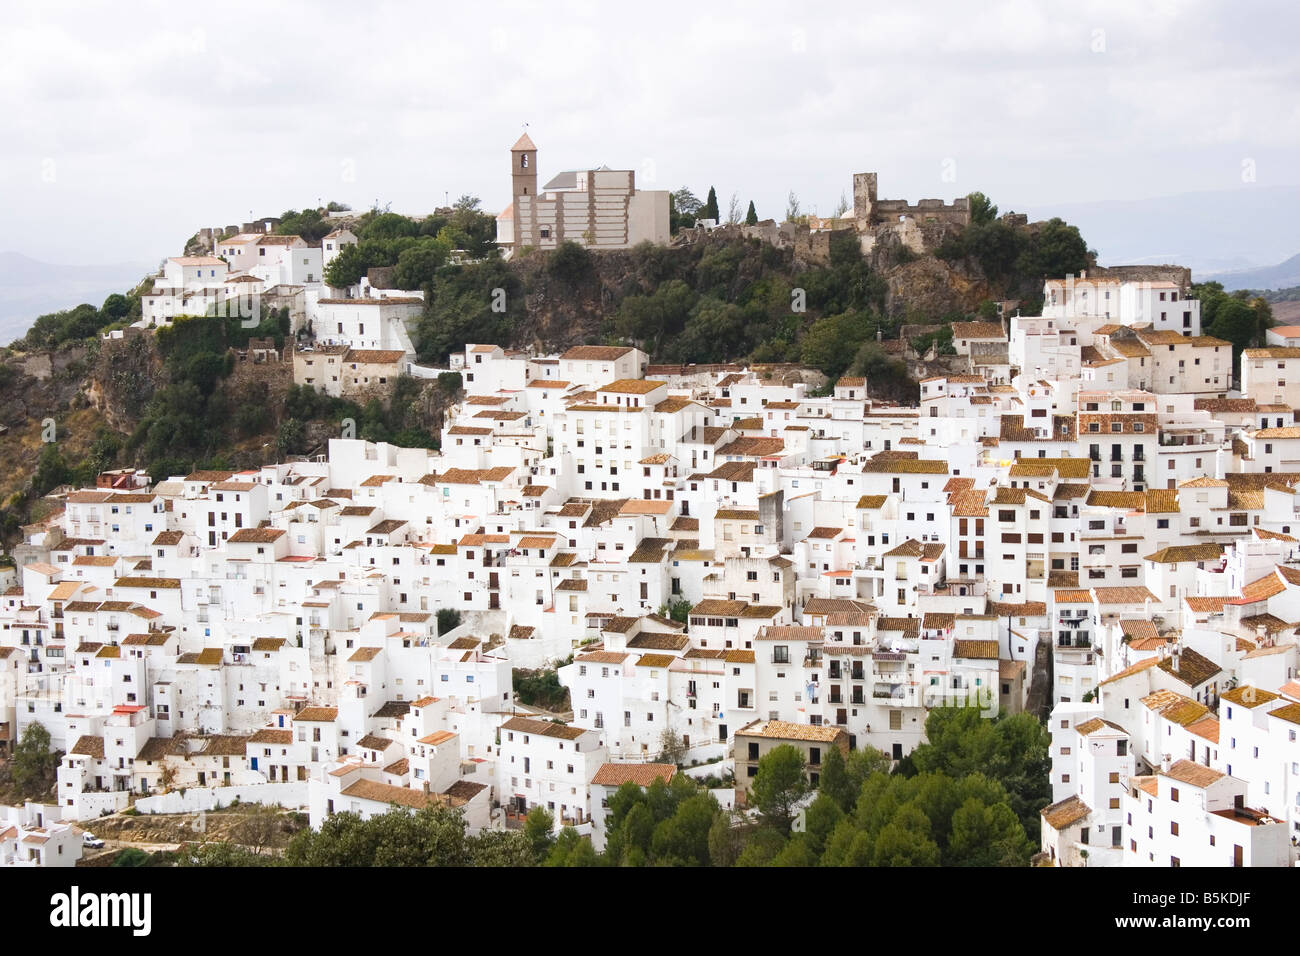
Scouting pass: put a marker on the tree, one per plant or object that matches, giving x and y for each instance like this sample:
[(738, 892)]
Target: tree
[(570, 263), (33, 763), (733, 209), (792, 207), (450, 382), (710, 208), (861, 765), (51, 471), (1236, 322), (679, 611), (539, 831), (905, 841), (448, 620), (258, 830), (683, 839), (725, 840), (751, 216), (834, 781), (685, 201), (1012, 750), (672, 748), (841, 207), (417, 265), (291, 438), (780, 785), (433, 836), (982, 210)]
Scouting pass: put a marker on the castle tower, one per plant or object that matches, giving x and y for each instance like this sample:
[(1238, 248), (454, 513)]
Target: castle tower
[(864, 197)]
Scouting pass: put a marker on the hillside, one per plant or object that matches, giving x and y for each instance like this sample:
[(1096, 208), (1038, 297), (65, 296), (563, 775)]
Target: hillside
[(188, 397), (1281, 276)]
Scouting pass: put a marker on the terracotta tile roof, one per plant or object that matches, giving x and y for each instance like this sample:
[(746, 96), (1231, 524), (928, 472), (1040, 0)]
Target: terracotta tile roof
[(655, 660), (1207, 728), (226, 745), (1124, 595), (975, 650), (1066, 813), (602, 657), (316, 715), (659, 642), (156, 748), (1290, 713), (1248, 696), (256, 535), (1193, 669), (543, 728), (914, 466), (595, 353), (151, 583), (271, 735), (1174, 707), (1261, 589), (1130, 671), (88, 746), (387, 793), (784, 730), (1194, 774), (641, 774), (1097, 724)]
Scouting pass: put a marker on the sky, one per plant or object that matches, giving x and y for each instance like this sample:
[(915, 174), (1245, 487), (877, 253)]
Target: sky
[(126, 126)]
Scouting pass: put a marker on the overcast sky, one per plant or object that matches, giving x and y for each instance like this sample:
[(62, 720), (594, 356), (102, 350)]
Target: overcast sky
[(126, 126)]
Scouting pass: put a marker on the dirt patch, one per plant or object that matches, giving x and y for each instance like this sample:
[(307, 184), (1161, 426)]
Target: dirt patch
[(246, 825)]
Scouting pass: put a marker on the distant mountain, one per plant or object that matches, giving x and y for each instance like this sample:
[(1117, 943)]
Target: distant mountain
[(1209, 232), (1281, 276), (29, 288)]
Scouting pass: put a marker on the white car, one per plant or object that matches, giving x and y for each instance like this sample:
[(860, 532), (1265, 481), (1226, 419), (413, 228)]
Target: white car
[(92, 841)]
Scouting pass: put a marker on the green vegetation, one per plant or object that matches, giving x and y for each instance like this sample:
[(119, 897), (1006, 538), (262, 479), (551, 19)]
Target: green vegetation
[(960, 800), (477, 302), (982, 209), (448, 619), (941, 339), (1017, 260), (751, 216), (542, 688), (1242, 317), (710, 208), (58, 329), (683, 209), (1011, 751), (678, 610), (33, 764), (434, 836), (416, 249)]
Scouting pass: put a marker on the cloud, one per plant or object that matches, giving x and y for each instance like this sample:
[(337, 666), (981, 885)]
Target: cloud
[(157, 122)]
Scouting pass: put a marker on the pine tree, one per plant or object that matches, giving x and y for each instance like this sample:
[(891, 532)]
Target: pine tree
[(710, 210), (751, 217)]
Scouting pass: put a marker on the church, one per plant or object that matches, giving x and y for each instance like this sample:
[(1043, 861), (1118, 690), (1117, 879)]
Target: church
[(597, 208)]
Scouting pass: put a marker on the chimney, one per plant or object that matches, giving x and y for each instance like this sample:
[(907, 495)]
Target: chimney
[(1165, 762)]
